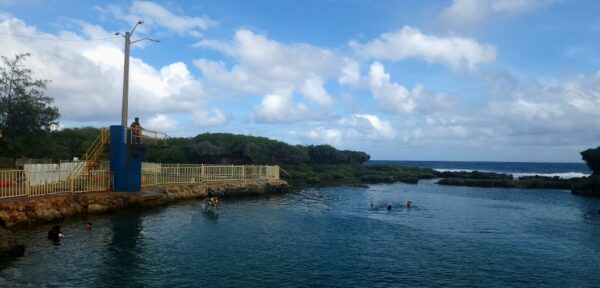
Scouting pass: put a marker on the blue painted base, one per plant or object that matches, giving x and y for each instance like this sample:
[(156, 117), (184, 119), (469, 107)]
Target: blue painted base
[(125, 161)]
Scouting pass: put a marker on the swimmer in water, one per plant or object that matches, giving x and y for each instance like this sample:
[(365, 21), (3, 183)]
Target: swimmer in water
[(388, 207), (408, 204)]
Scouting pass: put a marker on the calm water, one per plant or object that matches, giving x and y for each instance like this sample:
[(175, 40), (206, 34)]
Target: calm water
[(330, 237)]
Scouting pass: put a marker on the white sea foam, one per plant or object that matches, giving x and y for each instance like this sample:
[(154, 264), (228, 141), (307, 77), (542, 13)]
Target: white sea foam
[(563, 175)]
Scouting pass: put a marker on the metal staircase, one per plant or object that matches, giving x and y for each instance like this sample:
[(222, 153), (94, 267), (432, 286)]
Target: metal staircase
[(93, 153)]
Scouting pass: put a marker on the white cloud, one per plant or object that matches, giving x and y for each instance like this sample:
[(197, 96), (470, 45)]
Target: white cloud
[(280, 107), (391, 97), (368, 126), (313, 90), (266, 67), (409, 42), (331, 136), (469, 14), (163, 123), (352, 128), (87, 76), (156, 15), (204, 118)]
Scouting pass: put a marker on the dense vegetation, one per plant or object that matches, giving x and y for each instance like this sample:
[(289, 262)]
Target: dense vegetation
[(26, 113)]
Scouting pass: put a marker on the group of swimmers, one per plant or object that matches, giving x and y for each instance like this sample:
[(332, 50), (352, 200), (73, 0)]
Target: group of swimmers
[(212, 202), (55, 234), (388, 206)]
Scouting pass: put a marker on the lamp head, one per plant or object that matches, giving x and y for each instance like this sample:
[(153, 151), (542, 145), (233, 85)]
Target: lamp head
[(141, 22)]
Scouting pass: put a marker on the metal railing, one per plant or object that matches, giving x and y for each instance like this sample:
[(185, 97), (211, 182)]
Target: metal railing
[(157, 173), (146, 137), (15, 183)]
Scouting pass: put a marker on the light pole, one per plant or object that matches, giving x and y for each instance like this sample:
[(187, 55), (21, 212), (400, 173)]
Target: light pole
[(128, 43)]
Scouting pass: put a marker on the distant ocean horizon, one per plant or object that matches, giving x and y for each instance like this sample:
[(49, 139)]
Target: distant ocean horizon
[(517, 169)]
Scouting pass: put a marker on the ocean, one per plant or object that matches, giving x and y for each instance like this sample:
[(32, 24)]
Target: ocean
[(517, 169)]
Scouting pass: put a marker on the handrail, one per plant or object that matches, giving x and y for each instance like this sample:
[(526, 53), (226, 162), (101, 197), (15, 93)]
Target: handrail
[(143, 136)]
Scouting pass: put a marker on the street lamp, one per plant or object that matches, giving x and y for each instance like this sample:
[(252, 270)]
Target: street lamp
[(128, 43)]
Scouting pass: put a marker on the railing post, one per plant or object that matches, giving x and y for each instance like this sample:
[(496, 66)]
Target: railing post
[(202, 172)]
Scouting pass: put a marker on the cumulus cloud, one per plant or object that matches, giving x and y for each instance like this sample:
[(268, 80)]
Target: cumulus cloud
[(215, 117), (354, 127), (468, 14), (162, 122), (279, 107), (264, 66), (87, 75), (391, 97), (155, 15), (408, 42)]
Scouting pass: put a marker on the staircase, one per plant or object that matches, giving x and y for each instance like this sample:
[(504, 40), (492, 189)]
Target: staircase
[(93, 153)]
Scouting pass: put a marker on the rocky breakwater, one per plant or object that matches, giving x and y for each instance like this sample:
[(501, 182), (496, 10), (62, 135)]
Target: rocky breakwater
[(22, 211)]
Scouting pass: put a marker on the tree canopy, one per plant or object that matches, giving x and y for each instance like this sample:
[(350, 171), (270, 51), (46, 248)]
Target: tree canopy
[(242, 149), (26, 112)]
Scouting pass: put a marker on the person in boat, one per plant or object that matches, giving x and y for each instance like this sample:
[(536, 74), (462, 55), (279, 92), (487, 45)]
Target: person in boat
[(55, 234), (408, 204)]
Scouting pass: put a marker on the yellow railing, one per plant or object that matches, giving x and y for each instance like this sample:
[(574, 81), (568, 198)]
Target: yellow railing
[(14, 183), (89, 161), (156, 173), (146, 137)]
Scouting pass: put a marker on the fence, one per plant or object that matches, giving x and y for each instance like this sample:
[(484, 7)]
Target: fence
[(14, 183), (156, 173), (49, 179)]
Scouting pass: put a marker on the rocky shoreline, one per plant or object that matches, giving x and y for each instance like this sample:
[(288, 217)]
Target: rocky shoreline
[(44, 209)]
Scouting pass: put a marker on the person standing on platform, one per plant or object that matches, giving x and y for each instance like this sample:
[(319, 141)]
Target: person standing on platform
[(136, 131)]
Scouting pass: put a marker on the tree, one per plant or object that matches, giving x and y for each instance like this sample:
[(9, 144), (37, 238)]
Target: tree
[(26, 113)]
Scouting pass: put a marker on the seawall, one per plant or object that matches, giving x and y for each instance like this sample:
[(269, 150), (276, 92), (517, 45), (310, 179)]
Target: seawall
[(23, 211)]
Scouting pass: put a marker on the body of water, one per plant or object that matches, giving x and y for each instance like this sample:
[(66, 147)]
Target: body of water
[(329, 237), (517, 169)]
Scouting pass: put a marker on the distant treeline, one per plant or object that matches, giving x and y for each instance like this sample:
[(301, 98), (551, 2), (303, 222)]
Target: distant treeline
[(209, 148), (243, 149)]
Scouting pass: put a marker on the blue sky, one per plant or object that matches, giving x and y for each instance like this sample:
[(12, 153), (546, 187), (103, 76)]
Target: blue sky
[(488, 80)]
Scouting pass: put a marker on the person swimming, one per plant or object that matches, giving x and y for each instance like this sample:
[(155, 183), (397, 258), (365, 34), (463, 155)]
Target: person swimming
[(55, 234), (388, 207), (88, 225), (408, 204)]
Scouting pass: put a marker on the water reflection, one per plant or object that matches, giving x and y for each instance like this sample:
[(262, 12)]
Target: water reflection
[(210, 215), (122, 260)]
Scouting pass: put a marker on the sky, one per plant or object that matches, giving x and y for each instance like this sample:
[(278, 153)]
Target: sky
[(473, 80)]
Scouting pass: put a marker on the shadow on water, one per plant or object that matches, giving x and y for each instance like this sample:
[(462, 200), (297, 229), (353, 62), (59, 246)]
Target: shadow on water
[(210, 215), (122, 260)]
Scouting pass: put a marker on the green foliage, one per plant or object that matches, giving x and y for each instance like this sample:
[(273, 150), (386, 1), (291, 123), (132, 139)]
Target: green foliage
[(592, 159), (26, 113), (242, 149)]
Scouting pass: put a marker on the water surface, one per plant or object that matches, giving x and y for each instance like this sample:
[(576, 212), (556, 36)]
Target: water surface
[(330, 237)]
